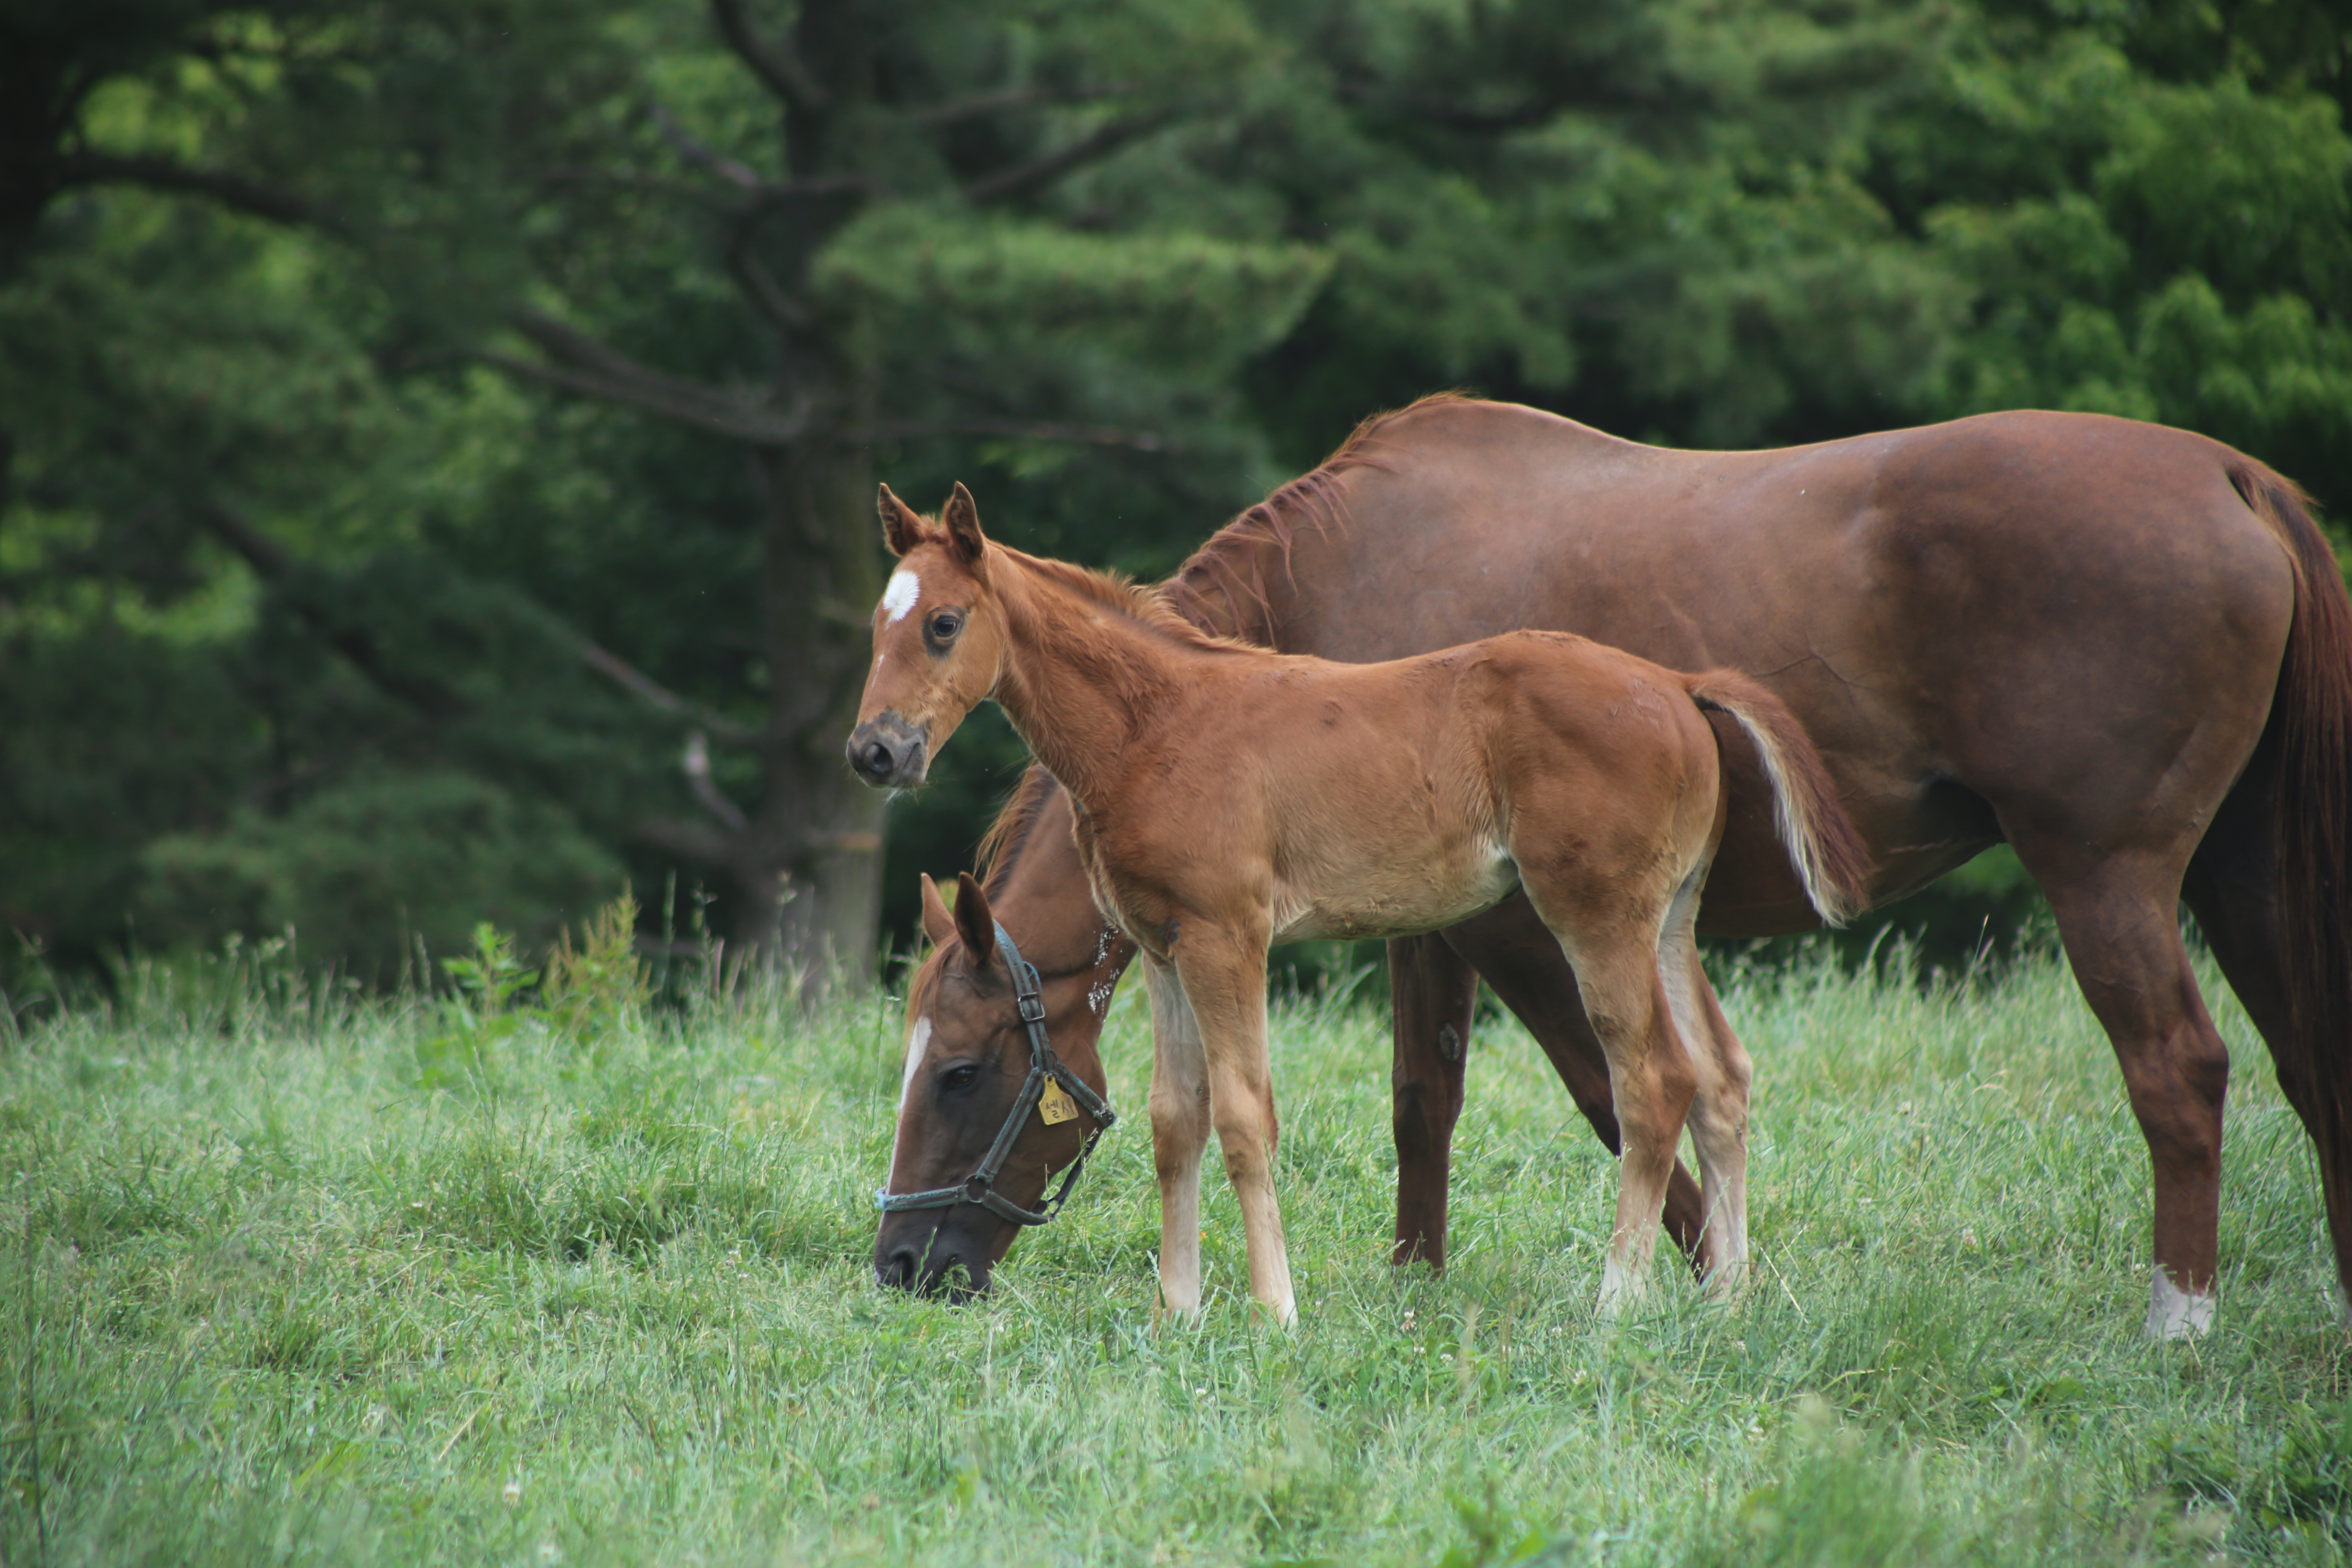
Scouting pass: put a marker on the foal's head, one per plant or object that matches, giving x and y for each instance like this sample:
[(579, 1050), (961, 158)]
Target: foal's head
[(967, 1057), (936, 645)]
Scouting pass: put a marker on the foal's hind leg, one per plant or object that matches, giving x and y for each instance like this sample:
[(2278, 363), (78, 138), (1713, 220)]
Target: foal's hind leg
[(1523, 963), (1718, 1117), (1610, 934), (1180, 1133)]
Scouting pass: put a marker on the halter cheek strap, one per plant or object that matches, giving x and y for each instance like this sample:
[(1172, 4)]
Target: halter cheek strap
[(980, 1187)]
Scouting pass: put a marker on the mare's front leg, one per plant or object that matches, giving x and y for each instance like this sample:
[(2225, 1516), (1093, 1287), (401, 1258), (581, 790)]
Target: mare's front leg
[(1223, 975), (1180, 1134), (1435, 993)]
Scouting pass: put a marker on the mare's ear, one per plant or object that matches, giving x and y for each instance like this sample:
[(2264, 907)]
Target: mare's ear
[(901, 529), (974, 921), (962, 518), (937, 924)]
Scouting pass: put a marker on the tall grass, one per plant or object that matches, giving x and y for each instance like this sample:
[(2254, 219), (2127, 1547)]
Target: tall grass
[(289, 1277)]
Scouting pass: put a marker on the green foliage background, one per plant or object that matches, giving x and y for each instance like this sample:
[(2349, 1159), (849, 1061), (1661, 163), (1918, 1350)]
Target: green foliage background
[(301, 538)]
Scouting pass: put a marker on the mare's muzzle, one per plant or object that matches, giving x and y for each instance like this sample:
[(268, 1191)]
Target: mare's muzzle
[(934, 1256), (888, 753)]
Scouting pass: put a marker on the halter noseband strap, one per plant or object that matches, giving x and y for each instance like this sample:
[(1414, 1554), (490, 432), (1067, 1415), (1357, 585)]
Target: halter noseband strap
[(980, 1187)]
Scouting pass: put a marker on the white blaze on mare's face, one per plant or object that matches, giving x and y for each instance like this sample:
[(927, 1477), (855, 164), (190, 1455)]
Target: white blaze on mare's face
[(917, 1044), (900, 596)]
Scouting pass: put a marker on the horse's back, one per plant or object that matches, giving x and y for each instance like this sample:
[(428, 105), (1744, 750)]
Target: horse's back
[(2024, 612)]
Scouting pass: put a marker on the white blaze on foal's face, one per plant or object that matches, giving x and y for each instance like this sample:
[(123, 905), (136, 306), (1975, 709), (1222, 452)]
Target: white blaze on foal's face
[(900, 596)]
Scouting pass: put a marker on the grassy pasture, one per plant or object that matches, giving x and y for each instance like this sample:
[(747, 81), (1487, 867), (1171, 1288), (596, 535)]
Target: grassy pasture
[(283, 1280)]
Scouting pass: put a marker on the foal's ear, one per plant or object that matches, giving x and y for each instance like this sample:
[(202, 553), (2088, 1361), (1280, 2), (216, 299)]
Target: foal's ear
[(962, 518), (974, 922), (937, 924), (901, 529)]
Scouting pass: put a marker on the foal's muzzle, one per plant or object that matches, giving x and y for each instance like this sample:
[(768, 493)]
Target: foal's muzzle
[(888, 753)]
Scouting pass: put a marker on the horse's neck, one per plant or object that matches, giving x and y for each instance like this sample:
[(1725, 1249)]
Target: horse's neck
[(1080, 680), (1043, 897)]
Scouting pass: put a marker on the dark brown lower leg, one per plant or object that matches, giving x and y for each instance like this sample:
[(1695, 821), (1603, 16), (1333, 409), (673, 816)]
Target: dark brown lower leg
[(2121, 929), (1435, 991)]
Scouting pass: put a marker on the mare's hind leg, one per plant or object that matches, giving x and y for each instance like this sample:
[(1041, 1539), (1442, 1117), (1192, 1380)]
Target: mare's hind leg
[(1435, 991), (2232, 888), (1180, 1133), (1516, 956), (1718, 1117), (2119, 919)]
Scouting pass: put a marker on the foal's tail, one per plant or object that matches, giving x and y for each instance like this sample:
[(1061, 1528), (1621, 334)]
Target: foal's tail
[(2312, 716), (1822, 842)]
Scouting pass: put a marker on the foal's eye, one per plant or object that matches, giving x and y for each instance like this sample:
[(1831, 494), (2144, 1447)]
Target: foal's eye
[(958, 1079), (944, 625)]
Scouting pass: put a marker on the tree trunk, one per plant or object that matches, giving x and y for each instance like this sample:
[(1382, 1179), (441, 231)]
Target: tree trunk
[(813, 886)]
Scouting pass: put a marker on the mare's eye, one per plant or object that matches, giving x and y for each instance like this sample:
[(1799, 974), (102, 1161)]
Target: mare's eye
[(944, 625), (958, 1079)]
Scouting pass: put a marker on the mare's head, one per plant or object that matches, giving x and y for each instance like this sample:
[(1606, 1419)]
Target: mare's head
[(937, 642), (966, 1057)]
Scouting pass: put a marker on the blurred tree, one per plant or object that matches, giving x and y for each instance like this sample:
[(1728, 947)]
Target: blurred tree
[(419, 423)]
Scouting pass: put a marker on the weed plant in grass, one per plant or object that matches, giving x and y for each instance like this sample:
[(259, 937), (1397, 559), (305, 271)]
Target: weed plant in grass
[(288, 1277)]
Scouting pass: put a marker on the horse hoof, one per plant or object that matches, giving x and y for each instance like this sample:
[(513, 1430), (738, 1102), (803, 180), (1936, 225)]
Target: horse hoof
[(2173, 1313)]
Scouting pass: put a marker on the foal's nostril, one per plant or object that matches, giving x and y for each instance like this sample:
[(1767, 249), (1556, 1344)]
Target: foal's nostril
[(877, 761), (898, 1271)]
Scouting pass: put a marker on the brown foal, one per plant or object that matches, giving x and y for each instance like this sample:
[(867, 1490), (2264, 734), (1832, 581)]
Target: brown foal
[(1228, 797)]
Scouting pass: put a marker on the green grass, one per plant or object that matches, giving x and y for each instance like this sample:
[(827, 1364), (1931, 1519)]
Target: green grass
[(291, 1280)]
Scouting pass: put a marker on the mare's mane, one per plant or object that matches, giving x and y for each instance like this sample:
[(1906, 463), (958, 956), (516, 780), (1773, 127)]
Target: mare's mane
[(1008, 835), (1229, 562)]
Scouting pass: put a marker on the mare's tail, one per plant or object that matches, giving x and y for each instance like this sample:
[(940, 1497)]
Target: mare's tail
[(2312, 819), (1822, 842)]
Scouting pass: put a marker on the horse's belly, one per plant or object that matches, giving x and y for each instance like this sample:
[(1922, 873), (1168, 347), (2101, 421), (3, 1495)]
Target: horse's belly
[(1374, 896)]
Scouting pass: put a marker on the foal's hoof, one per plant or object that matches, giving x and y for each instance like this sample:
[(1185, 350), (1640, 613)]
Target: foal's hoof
[(2173, 1313), (1622, 1291)]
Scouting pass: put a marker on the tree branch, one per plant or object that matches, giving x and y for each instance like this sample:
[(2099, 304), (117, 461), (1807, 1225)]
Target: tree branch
[(773, 61), (705, 789), (1022, 178), (271, 564), (637, 683), (1015, 429), (591, 369), (700, 153), (230, 189), (940, 116), (692, 841), (578, 174)]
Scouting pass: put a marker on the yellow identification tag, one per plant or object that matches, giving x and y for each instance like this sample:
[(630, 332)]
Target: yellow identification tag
[(1056, 1106)]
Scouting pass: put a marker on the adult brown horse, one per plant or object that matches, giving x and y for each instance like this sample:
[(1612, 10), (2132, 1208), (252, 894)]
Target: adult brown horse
[(2123, 648), (1229, 797)]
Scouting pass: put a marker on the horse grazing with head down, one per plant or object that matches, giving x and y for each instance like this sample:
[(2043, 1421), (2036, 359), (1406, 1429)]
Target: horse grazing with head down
[(1229, 797), (2122, 649)]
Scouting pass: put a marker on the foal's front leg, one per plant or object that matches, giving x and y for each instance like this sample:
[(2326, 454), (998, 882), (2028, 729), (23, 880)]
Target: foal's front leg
[(1223, 975), (1180, 1133)]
